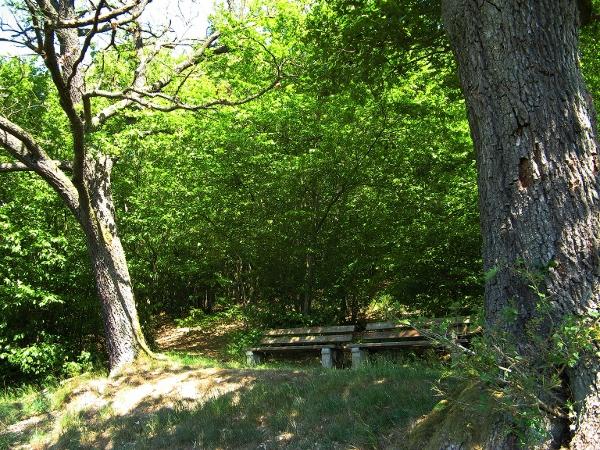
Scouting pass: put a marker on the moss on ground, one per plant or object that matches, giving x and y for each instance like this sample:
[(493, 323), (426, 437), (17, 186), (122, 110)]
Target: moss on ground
[(467, 418)]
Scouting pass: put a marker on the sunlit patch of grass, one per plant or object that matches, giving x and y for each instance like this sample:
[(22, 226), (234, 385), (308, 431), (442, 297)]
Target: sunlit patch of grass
[(328, 408), (26, 401), (25, 412), (19, 404), (195, 360), (276, 405)]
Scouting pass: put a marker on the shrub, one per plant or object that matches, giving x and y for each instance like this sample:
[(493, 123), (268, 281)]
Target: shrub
[(34, 360)]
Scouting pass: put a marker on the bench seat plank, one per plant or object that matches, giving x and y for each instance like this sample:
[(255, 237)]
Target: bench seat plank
[(311, 330), (407, 343), (376, 326), (291, 347), (404, 343), (332, 338)]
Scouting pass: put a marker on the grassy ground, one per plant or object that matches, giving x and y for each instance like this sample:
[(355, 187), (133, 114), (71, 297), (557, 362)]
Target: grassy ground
[(188, 404), (17, 405)]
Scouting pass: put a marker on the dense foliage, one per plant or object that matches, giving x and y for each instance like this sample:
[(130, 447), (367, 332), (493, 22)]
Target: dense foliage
[(349, 185)]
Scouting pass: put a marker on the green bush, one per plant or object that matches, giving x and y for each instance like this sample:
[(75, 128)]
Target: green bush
[(82, 364), (38, 359), (46, 359)]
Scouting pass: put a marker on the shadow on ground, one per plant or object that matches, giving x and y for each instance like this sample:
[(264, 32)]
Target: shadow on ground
[(247, 409)]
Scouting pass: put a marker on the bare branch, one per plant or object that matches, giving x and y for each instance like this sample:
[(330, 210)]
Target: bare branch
[(39, 36), (29, 145), (17, 34), (86, 44), (53, 64), (137, 90), (134, 96), (131, 11), (114, 24), (21, 167), (192, 60), (27, 44), (48, 169)]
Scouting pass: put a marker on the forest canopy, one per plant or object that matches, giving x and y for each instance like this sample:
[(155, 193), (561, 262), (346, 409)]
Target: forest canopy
[(346, 189)]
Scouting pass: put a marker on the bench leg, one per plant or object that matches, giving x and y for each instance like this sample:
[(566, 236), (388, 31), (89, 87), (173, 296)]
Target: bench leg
[(328, 357), (252, 359), (359, 357)]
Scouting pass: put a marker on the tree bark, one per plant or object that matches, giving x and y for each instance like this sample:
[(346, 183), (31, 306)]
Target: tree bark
[(533, 126), (69, 47), (124, 337)]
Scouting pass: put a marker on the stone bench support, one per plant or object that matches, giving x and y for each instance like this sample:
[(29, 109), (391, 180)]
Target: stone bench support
[(359, 357), (252, 358), (328, 357)]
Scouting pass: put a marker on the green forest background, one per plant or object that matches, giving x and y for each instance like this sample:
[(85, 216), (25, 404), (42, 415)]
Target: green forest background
[(347, 192)]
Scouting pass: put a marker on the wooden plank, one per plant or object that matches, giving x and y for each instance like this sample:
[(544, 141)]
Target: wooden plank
[(311, 330), (458, 322), (404, 343), (332, 338), (290, 347), (396, 344), (380, 325), (388, 335)]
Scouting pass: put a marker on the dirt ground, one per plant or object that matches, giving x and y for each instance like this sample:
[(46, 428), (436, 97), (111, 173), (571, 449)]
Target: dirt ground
[(195, 340)]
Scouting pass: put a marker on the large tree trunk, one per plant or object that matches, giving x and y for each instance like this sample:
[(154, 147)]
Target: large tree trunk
[(533, 127), (124, 338)]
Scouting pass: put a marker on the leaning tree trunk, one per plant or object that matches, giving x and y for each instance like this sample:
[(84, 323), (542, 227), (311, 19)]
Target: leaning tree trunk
[(124, 337), (533, 127)]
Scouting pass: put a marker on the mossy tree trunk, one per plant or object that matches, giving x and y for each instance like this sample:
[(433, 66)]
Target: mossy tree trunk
[(123, 334)]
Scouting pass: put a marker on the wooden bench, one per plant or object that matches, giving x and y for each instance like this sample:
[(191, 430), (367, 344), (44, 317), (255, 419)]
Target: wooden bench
[(328, 340), (389, 336)]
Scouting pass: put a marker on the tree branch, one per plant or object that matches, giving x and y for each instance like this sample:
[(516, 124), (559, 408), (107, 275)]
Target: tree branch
[(140, 97), (51, 61), (21, 167), (86, 45), (28, 143), (133, 9), (140, 94), (192, 60), (46, 168)]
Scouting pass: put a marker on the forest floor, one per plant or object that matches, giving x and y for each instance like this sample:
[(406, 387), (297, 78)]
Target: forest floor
[(195, 402), (209, 342)]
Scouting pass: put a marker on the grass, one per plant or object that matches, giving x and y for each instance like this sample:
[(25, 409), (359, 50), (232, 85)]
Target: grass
[(470, 417), (19, 404), (35, 404), (195, 360), (278, 408)]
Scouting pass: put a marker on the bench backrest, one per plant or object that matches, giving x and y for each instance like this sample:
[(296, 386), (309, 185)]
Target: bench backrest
[(388, 331), (334, 335)]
